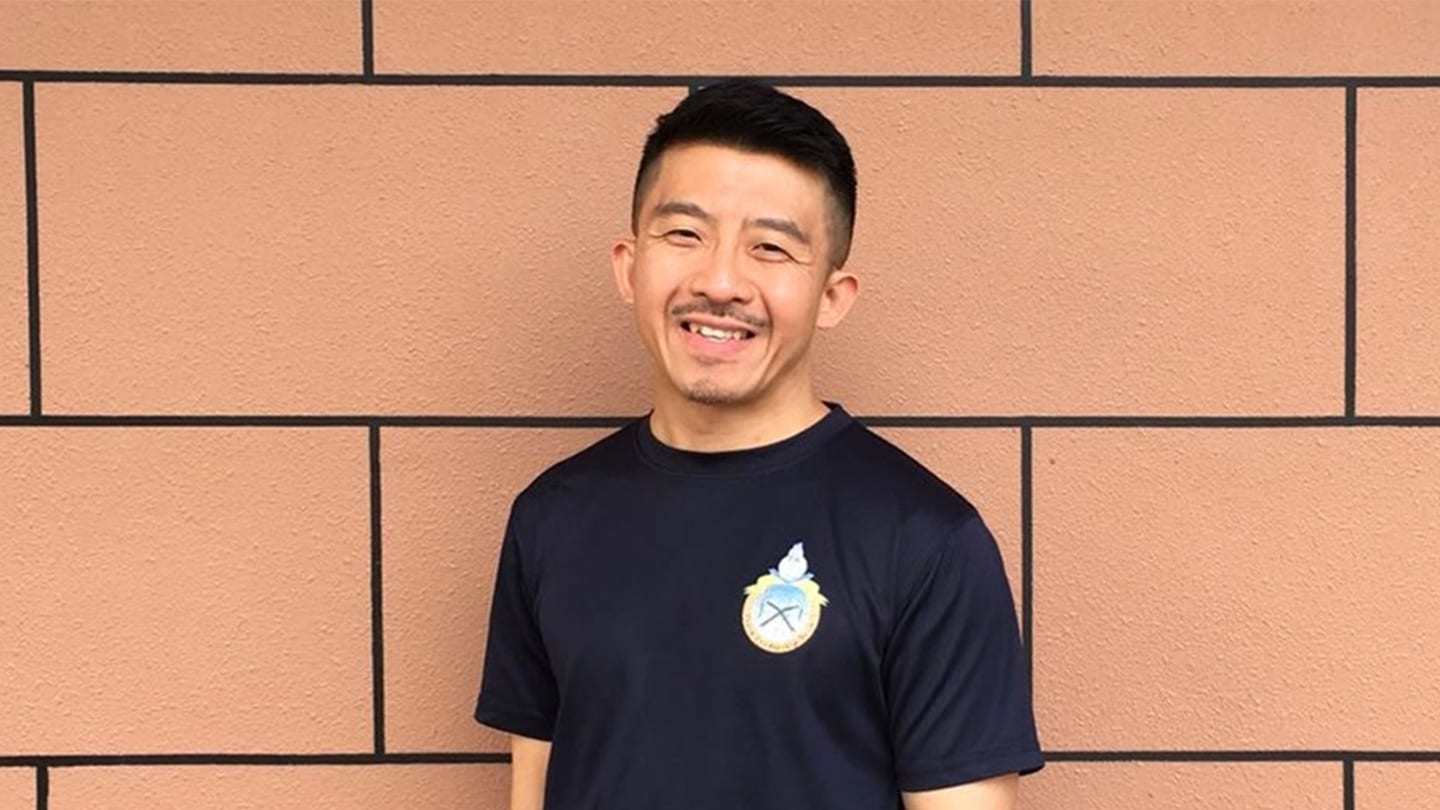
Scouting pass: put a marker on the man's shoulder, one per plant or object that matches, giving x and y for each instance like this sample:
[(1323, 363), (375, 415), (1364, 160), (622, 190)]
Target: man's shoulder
[(882, 468), (602, 459)]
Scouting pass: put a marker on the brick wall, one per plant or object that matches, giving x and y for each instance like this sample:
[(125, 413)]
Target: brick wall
[(295, 296)]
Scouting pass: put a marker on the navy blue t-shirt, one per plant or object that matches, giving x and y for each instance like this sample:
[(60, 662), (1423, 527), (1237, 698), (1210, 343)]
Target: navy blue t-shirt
[(816, 623)]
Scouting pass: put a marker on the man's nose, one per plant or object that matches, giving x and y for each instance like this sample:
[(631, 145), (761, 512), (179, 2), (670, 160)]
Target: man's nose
[(719, 277)]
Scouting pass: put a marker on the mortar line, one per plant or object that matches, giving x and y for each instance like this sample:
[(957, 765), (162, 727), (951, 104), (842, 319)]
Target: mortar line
[(1350, 257), (257, 760), (685, 80), (1098, 422), (32, 247), (367, 38), (494, 757), (1027, 552), (1026, 39), (1347, 781), (377, 613)]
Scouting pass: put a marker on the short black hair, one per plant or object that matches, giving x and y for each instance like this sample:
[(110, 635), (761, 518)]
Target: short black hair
[(754, 117)]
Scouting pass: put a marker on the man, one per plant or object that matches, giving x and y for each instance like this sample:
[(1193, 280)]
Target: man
[(746, 599)]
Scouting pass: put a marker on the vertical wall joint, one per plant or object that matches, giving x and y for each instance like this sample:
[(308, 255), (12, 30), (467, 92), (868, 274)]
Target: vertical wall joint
[(1027, 555), (32, 246), (377, 612), (367, 37), (1348, 783), (1026, 39), (1350, 276)]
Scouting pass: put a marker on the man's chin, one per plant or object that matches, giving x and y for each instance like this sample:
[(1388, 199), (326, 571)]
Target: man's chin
[(705, 387), (707, 395)]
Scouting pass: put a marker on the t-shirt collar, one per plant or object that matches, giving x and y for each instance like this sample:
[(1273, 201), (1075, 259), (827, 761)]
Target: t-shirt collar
[(748, 461)]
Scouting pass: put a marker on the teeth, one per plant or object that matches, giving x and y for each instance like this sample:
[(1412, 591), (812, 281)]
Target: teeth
[(717, 334)]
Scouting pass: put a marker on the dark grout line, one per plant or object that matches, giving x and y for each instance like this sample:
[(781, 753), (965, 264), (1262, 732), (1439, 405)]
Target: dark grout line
[(32, 247), (1243, 756), (683, 80), (1099, 421), (367, 38), (42, 761), (309, 420), (1350, 276), (1347, 784), (174, 77), (612, 421), (377, 583), (42, 787), (1027, 552), (1026, 39)]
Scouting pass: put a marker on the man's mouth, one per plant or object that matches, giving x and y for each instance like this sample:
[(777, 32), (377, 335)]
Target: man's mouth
[(716, 334)]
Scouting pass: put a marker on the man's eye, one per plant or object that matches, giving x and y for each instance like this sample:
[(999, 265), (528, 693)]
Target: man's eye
[(682, 233), (772, 249)]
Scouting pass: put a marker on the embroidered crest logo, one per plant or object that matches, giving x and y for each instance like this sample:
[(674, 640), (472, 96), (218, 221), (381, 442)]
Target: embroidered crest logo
[(782, 608)]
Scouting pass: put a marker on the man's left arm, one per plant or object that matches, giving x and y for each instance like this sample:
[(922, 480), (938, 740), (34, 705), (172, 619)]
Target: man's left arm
[(995, 793), (962, 727)]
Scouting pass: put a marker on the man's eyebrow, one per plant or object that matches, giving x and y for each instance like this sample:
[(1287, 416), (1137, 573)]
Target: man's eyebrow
[(681, 208), (690, 209), (784, 226)]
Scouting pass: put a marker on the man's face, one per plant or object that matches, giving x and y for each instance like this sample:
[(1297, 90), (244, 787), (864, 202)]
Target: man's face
[(730, 276)]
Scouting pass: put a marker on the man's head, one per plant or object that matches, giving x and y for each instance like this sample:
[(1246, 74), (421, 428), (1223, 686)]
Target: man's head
[(742, 214), (753, 117)]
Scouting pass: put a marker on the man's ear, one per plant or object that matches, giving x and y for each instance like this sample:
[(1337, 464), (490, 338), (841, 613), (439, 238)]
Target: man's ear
[(622, 262), (841, 289)]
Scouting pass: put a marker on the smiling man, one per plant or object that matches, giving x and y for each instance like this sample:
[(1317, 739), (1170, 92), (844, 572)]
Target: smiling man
[(745, 598)]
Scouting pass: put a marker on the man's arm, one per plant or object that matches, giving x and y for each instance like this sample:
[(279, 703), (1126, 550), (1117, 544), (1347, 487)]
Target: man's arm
[(528, 761), (996, 793)]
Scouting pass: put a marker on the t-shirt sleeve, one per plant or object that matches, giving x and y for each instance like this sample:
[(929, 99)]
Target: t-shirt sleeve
[(517, 687), (955, 671)]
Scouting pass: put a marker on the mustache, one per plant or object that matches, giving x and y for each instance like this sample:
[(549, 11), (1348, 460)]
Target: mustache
[(703, 307)]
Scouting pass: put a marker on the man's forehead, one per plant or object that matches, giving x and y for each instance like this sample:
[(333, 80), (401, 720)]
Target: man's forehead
[(687, 172), (712, 149)]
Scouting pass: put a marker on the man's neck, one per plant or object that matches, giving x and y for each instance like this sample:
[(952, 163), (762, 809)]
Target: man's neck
[(688, 425)]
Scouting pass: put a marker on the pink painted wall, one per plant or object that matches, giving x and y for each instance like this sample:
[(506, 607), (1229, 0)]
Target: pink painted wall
[(315, 288)]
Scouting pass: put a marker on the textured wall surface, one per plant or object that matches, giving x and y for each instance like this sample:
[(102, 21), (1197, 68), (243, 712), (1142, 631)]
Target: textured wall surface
[(294, 297)]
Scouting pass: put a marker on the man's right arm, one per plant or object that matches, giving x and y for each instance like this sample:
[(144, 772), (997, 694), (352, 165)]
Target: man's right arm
[(518, 693), (528, 762)]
